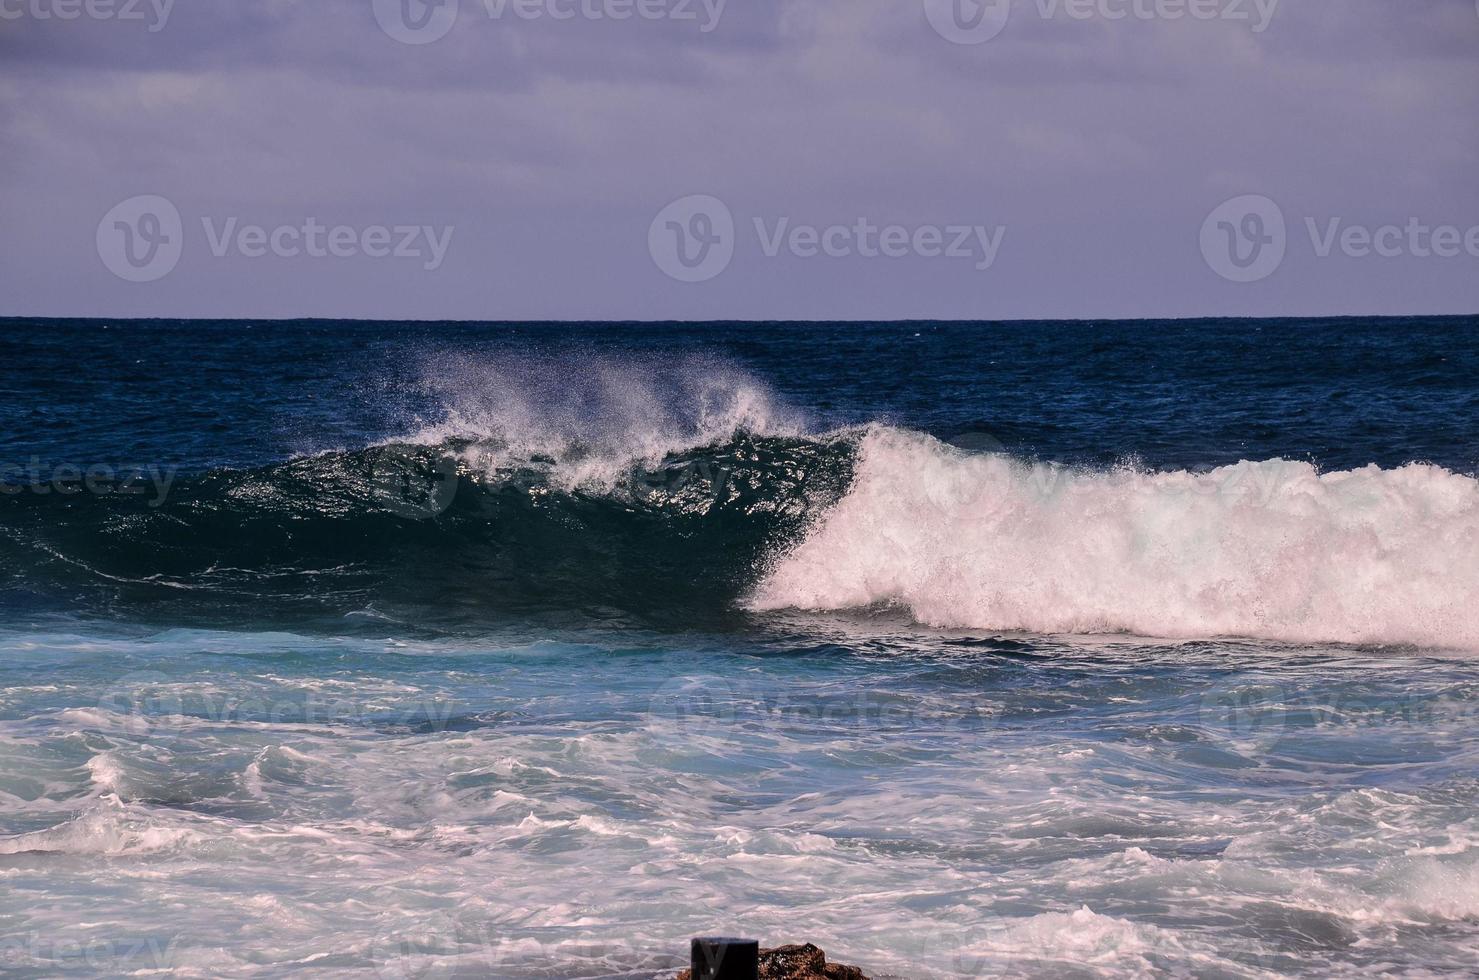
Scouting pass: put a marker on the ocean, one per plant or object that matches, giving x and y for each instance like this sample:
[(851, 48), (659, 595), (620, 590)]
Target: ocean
[(1059, 649)]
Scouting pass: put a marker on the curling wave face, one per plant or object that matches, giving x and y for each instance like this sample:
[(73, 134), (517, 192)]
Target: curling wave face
[(575, 488), (422, 535)]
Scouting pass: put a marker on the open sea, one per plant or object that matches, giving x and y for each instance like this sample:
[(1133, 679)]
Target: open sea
[(1092, 649)]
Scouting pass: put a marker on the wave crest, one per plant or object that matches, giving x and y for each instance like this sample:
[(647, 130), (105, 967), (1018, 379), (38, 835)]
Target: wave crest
[(589, 420), (1272, 550)]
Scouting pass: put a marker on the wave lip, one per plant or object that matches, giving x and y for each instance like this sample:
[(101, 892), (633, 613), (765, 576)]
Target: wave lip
[(1270, 550), (589, 420)]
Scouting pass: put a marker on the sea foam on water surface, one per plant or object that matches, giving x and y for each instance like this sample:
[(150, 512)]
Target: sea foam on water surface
[(1272, 550)]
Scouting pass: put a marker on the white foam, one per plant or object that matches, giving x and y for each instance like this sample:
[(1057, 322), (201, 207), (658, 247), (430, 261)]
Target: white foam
[(106, 772), (1435, 890), (109, 830), (593, 418), (1051, 944), (1273, 550)]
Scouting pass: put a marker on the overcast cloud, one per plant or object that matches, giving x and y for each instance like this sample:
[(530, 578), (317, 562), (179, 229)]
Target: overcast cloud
[(536, 152)]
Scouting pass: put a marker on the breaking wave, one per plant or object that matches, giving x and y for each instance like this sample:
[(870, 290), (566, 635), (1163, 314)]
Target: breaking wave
[(1274, 550), (672, 490)]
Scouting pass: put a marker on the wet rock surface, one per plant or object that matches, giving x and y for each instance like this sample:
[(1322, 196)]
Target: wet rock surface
[(805, 962)]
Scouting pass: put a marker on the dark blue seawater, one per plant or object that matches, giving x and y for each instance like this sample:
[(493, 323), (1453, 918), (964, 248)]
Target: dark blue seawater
[(530, 650)]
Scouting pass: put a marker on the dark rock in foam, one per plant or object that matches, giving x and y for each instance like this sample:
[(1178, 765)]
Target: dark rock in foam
[(805, 962)]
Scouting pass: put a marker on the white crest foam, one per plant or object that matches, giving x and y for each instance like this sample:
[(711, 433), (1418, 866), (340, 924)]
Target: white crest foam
[(1273, 550), (591, 418)]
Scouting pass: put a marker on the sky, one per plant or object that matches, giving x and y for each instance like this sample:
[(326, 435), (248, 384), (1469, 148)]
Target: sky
[(748, 159)]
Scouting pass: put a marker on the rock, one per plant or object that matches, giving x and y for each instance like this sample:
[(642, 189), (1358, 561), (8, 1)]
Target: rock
[(798, 963), (803, 963)]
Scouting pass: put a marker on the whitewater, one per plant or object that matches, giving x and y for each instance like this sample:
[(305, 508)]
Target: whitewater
[(960, 537), (1274, 550), (532, 651)]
